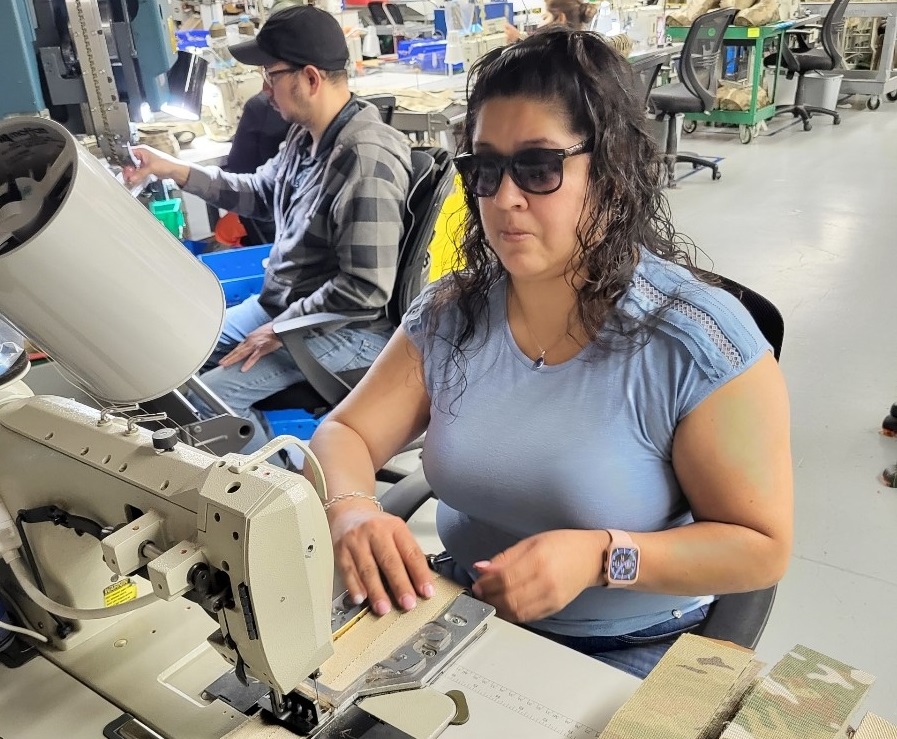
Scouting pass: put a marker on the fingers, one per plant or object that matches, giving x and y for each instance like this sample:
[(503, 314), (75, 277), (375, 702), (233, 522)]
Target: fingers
[(143, 160), (368, 579), (382, 557), (238, 354), (250, 363), (416, 563)]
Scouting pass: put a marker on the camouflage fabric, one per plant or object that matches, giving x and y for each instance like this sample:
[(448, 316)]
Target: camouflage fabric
[(690, 694), (806, 695), (875, 727)]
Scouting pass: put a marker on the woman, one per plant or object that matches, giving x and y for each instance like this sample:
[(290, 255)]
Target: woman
[(595, 414), (573, 13)]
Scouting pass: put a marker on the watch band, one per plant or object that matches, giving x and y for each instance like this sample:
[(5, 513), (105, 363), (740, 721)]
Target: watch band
[(619, 540)]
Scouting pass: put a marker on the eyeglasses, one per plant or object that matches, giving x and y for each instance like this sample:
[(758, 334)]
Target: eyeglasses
[(536, 171), (270, 76)]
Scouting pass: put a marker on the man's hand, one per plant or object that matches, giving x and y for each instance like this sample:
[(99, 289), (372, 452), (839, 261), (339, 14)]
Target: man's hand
[(541, 574), (256, 345), (512, 35), (152, 162), (377, 554)]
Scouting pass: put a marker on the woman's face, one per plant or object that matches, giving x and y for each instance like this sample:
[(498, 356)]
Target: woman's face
[(534, 236)]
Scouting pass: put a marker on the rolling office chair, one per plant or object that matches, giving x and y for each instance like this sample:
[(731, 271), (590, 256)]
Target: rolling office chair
[(386, 104), (646, 69), (805, 58), (431, 181), (241, 274), (737, 617), (696, 92)]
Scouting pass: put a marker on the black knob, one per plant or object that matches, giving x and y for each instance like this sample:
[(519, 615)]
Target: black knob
[(165, 439)]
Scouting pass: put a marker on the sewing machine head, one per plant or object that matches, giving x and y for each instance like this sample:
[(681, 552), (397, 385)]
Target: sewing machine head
[(139, 513), (246, 540)]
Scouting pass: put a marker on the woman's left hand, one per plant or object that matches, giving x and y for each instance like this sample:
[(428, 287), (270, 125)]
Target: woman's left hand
[(541, 574)]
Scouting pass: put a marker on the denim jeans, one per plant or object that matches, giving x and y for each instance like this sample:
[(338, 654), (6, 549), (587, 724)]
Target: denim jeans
[(342, 350), (636, 653)]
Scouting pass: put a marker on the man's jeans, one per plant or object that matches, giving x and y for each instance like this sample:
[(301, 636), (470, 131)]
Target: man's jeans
[(342, 350)]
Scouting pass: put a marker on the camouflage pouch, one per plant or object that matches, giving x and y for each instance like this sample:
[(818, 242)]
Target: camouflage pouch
[(759, 14), (690, 694), (686, 15), (806, 695)]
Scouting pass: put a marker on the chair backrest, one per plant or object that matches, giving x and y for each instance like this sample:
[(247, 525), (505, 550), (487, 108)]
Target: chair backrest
[(431, 181), (699, 64), (378, 13), (646, 69), (386, 104), (832, 27), (767, 317)]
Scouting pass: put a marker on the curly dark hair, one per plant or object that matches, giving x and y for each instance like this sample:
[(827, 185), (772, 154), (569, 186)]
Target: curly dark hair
[(595, 87)]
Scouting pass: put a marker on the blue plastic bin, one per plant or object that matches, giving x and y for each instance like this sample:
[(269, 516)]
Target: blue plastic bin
[(427, 54), (240, 270), (196, 37), (294, 422)]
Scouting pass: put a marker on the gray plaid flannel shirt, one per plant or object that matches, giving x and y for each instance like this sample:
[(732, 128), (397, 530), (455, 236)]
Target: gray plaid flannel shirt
[(338, 214)]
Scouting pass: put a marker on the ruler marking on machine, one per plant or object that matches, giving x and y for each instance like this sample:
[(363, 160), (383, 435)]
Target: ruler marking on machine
[(521, 704)]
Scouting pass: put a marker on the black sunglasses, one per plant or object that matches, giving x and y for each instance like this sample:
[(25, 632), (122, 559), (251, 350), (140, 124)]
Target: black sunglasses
[(536, 171)]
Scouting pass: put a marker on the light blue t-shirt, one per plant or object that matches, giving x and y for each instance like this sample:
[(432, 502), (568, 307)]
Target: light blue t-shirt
[(586, 444)]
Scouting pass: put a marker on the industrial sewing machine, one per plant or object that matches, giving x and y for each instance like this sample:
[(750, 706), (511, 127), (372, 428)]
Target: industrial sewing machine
[(111, 535), (92, 65)]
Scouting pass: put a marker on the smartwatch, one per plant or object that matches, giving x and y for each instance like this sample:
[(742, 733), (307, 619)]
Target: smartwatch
[(621, 560)]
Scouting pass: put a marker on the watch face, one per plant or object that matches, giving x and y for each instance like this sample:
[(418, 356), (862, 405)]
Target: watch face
[(623, 565)]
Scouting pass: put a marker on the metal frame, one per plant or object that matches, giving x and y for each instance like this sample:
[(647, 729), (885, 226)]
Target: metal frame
[(877, 82)]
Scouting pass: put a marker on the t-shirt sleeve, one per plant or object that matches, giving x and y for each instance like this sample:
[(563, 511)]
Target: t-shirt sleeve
[(719, 341), (416, 321)]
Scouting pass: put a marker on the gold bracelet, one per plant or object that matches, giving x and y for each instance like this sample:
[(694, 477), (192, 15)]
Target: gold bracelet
[(356, 494)]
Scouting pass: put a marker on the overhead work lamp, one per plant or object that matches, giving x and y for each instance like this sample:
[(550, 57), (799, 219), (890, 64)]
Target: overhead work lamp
[(185, 82)]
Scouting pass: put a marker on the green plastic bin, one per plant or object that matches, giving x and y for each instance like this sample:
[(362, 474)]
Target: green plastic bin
[(169, 214)]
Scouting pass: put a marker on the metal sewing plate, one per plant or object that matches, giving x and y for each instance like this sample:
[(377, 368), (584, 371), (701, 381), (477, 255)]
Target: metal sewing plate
[(420, 660)]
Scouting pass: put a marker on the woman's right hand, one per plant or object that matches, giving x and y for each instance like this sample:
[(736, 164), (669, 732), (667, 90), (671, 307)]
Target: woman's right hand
[(377, 554), (149, 162)]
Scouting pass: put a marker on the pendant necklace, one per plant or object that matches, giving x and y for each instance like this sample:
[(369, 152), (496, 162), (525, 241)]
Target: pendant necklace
[(539, 361)]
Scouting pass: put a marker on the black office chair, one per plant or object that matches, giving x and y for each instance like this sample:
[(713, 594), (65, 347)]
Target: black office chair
[(737, 617), (803, 58), (431, 178), (696, 90), (386, 104), (646, 69), (224, 432)]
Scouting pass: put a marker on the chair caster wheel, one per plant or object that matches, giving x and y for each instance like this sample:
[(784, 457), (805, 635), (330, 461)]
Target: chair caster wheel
[(807, 126), (889, 476), (836, 120), (689, 126), (717, 174), (889, 426)]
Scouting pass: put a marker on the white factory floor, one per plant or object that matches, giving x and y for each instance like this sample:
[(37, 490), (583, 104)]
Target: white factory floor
[(809, 219)]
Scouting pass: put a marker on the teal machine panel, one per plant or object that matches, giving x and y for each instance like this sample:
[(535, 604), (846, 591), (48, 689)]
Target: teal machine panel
[(21, 86)]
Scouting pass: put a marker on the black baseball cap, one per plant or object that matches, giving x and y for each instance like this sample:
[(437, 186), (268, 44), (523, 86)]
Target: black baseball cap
[(301, 36)]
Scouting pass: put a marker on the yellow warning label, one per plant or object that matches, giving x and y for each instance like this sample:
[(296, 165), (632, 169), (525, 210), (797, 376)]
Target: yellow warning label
[(753, 32), (121, 592)]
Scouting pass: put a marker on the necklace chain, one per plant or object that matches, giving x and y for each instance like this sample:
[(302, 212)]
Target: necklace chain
[(539, 361)]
